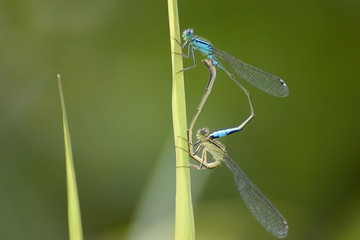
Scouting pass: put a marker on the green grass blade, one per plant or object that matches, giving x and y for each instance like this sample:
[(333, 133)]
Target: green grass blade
[(184, 220), (74, 218)]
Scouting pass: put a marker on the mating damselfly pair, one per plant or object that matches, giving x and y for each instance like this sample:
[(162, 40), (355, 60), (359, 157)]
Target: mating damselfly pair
[(261, 208)]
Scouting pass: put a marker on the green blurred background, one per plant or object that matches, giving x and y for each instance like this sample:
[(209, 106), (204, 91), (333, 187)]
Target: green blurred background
[(114, 58)]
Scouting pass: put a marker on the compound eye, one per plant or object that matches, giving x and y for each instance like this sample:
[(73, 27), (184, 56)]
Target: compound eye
[(205, 131)]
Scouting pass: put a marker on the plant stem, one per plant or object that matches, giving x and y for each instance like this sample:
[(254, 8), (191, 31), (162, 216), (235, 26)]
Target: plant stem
[(74, 216), (184, 220)]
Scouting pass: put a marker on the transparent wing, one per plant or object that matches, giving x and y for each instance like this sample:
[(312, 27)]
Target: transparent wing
[(262, 209), (264, 81)]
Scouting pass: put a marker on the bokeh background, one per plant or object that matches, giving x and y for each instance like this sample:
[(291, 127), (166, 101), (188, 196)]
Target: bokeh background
[(114, 57)]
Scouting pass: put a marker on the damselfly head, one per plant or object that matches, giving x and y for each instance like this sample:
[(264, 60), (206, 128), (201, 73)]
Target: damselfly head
[(202, 133), (187, 34)]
